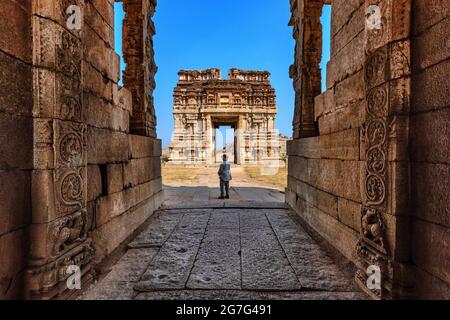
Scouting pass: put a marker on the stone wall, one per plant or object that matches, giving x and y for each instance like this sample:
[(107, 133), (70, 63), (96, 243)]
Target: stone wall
[(373, 180), (123, 170), (324, 182), (74, 182), (430, 148), (16, 147)]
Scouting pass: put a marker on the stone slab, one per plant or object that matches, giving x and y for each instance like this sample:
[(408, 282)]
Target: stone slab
[(218, 262), (172, 265), (314, 269), (264, 263)]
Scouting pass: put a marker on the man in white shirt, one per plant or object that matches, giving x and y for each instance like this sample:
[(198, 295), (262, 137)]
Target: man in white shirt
[(225, 177)]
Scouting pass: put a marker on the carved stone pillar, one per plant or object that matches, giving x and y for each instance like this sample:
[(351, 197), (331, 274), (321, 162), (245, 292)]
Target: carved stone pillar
[(58, 233), (384, 241), (139, 75), (306, 72)]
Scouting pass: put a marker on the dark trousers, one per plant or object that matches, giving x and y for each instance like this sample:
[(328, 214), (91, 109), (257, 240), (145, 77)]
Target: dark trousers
[(223, 184)]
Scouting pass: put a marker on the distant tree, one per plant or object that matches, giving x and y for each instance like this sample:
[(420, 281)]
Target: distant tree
[(284, 158), (164, 159)]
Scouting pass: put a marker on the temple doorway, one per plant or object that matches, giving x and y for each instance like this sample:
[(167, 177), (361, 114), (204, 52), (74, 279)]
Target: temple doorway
[(225, 143)]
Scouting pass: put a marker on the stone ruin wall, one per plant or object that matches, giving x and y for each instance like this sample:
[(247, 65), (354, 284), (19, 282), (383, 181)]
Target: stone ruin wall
[(327, 172), (429, 139), (74, 182), (350, 168)]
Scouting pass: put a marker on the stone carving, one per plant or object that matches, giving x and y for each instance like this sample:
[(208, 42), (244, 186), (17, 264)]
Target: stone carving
[(68, 231), (140, 68), (386, 61), (202, 101), (71, 142), (42, 281), (372, 226), (305, 72), (375, 69)]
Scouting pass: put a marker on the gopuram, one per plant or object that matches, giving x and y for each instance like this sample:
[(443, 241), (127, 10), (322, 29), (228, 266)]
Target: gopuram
[(245, 101)]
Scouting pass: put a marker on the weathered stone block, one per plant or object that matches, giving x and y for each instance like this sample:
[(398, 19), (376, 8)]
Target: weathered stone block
[(347, 62), (427, 13), (140, 146), (118, 203), (340, 178), (342, 145), (122, 98), (106, 10), (342, 13), (114, 178), (95, 21), (430, 139), (430, 287), (337, 234), (432, 46), (399, 185), (428, 90), (94, 186), (324, 103), (16, 83), (15, 199), (16, 149), (349, 213), (13, 247), (322, 200), (110, 235), (305, 147), (350, 91), (431, 192), (354, 25), (106, 146), (95, 83), (99, 54), (101, 114), (431, 249), (138, 171), (17, 20), (351, 116)]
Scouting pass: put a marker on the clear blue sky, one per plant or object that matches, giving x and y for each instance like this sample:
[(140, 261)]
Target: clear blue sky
[(244, 34)]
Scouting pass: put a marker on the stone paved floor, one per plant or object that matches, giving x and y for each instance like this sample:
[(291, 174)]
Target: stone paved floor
[(224, 250)]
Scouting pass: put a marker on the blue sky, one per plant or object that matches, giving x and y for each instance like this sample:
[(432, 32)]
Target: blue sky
[(200, 34)]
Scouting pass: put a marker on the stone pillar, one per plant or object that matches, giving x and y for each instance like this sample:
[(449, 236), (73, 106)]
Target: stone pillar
[(139, 75), (58, 233), (384, 240), (306, 72)]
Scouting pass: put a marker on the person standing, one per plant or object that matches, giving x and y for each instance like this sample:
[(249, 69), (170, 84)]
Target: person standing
[(225, 177)]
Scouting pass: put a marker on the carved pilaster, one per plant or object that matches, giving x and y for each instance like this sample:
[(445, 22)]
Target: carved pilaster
[(139, 75), (384, 213), (306, 72), (58, 234)]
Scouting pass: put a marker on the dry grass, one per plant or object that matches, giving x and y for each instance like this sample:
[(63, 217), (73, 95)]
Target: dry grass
[(277, 180), (180, 175)]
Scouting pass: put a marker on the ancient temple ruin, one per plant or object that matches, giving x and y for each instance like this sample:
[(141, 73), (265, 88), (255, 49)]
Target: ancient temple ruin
[(368, 168), (245, 101)]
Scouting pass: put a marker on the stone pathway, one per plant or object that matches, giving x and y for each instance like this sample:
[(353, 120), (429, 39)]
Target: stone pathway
[(224, 250)]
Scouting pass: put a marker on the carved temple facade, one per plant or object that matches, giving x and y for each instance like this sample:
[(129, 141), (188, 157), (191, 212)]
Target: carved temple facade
[(245, 101)]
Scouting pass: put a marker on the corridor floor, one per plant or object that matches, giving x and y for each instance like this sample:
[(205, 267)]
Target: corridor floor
[(224, 250)]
